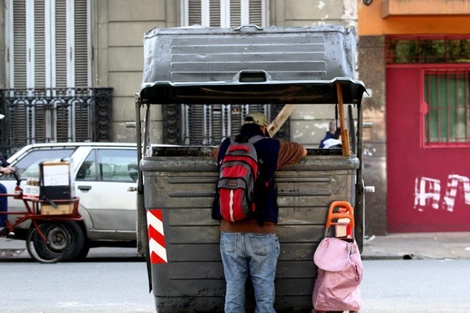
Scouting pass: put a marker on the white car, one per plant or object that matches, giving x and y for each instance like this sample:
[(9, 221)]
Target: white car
[(105, 183)]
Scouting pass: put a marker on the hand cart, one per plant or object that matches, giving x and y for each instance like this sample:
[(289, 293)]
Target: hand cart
[(339, 265), (50, 238)]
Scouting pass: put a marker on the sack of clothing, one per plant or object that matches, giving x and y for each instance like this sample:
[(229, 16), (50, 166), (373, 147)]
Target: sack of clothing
[(339, 274)]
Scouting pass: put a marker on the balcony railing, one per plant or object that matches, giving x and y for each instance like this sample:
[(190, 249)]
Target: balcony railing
[(54, 115)]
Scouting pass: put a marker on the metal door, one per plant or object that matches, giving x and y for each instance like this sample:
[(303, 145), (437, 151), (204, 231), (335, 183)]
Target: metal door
[(428, 186)]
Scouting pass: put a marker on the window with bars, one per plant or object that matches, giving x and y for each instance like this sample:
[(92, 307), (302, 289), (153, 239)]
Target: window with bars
[(209, 124), (49, 46), (447, 95), (428, 50), (49, 52), (224, 13)]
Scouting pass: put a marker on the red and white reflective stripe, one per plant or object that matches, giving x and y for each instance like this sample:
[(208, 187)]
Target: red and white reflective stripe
[(156, 237)]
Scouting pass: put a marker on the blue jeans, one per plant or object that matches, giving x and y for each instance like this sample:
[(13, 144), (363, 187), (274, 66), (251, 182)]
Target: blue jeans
[(249, 254), (3, 205)]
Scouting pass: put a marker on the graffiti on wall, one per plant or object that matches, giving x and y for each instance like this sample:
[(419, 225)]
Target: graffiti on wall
[(428, 192)]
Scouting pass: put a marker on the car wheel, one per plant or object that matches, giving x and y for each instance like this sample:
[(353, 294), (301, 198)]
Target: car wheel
[(77, 240), (53, 247)]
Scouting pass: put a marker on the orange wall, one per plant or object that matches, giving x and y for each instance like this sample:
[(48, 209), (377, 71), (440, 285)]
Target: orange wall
[(372, 23)]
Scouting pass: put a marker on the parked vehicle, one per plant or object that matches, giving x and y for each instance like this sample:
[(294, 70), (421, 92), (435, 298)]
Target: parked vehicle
[(105, 183), (235, 68)]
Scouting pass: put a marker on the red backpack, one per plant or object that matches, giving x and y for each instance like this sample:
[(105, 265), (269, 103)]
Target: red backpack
[(237, 178)]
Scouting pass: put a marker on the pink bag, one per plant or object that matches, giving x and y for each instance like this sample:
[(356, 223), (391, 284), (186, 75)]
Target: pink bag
[(338, 276)]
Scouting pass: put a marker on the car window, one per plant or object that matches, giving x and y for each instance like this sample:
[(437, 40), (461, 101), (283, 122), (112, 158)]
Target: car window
[(119, 165), (28, 165)]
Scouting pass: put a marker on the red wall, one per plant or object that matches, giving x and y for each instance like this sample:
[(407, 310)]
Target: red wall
[(428, 189)]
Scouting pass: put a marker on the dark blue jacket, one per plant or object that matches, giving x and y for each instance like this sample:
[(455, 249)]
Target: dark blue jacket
[(328, 135), (3, 161)]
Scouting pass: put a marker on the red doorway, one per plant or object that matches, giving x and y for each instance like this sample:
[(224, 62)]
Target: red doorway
[(428, 183)]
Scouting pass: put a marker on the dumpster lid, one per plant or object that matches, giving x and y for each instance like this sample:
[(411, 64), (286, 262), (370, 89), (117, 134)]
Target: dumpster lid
[(212, 54), (236, 92)]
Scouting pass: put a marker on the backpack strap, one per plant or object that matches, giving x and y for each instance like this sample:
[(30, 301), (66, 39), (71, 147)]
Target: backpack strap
[(252, 140), (255, 139)]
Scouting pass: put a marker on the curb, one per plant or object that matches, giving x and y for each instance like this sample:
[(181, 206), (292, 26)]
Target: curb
[(11, 253)]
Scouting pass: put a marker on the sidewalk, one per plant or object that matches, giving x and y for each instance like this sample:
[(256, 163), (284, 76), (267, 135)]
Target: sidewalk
[(12, 248), (393, 246), (452, 245)]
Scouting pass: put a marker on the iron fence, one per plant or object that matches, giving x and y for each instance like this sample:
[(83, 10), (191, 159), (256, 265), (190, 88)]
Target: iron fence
[(187, 124), (34, 115)]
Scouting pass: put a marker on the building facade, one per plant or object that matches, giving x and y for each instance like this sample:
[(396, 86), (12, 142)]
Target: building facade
[(61, 56), (70, 70)]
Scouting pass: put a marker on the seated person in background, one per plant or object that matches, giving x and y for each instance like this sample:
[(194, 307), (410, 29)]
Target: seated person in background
[(332, 137)]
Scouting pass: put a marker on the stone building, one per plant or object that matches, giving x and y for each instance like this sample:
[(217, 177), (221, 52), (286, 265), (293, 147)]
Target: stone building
[(60, 57), (70, 70)]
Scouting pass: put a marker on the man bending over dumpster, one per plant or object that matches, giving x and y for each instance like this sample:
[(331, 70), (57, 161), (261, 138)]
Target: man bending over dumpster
[(250, 247)]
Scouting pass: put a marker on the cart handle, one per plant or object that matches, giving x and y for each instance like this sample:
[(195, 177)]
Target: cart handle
[(332, 216)]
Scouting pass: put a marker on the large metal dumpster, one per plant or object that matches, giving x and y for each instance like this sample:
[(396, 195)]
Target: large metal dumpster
[(178, 182)]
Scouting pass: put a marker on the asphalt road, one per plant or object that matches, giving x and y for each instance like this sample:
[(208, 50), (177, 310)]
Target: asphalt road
[(118, 287), (409, 286), (118, 284)]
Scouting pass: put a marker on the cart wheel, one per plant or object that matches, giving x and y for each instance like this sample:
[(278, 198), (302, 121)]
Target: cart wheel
[(83, 254), (55, 248), (77, 238)]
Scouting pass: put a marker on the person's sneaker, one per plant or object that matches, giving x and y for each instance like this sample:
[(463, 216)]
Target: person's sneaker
[(4, 232)]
